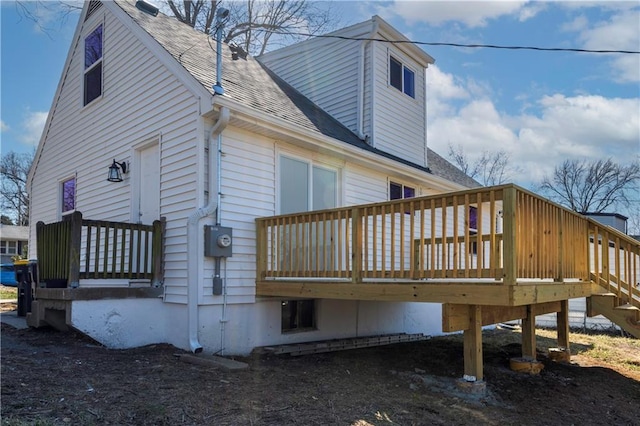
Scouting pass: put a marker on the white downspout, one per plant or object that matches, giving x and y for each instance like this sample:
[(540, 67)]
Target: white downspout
[(361, 81), (193, 248)]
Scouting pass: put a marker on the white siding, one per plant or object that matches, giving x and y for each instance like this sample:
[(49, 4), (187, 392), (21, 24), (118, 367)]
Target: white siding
[(141, 101), (399, 119), (333, 68)]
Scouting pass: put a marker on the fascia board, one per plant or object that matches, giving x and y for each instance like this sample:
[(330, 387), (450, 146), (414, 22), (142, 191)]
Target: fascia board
[(390, 33), (350, 152)]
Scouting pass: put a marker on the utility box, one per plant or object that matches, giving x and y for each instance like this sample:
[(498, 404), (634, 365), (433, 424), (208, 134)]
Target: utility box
[(218, 241)]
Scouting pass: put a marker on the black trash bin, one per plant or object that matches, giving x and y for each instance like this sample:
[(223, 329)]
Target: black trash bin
[(24, 298), (26, 276)]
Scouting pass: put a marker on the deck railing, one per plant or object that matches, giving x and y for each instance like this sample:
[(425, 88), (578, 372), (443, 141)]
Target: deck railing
[(615, 262), (78, 248), (504, 233)]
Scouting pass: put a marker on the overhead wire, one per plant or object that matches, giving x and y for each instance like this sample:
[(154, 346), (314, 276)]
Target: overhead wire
[(473, 45)]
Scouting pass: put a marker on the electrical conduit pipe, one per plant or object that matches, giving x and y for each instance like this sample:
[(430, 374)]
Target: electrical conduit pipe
[(193, 248)]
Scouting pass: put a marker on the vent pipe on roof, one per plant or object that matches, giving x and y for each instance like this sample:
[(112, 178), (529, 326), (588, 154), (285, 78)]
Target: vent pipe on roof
[(221, 15)]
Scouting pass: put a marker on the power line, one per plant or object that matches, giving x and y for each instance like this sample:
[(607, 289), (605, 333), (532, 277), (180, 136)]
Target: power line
[(473, 46)]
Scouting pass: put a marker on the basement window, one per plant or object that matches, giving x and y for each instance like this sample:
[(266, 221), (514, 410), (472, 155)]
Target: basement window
[(401, 77), (93, 65), (298, 315)]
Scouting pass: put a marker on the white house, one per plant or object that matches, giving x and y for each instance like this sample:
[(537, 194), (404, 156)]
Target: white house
[(321, 124)]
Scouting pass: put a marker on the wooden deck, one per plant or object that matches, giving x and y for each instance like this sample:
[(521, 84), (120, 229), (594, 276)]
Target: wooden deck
[(489, 254)]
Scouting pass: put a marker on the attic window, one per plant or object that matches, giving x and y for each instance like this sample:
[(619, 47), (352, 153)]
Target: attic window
[(93, 65), (401, 77)]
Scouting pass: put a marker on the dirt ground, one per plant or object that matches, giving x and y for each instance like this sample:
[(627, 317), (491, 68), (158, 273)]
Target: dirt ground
[(49, 378)]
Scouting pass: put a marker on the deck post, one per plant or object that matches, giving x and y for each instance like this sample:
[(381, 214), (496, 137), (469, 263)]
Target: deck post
[(509, 230), (528, 363), (562, 352), (473, 346), (560, 271), (157, 250), (356, 241), (74, 249), (529, 334)]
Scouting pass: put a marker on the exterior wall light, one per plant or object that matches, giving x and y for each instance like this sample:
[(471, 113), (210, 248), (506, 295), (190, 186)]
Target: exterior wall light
[(114, 171)]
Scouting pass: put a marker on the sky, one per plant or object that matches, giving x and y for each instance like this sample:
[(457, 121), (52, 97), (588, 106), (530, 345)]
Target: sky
[(541, 108)]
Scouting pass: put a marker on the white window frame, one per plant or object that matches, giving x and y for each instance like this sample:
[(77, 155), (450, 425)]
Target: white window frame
[(5, 247), (403, 185), (61, 195), (95, 64), (403, 68), (312, 163)]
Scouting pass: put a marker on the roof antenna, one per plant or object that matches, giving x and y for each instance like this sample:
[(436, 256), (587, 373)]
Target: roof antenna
[(221, 15)]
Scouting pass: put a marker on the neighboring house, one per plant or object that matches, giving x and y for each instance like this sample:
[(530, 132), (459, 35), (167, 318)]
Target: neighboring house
[(317, 125), (13, 242)]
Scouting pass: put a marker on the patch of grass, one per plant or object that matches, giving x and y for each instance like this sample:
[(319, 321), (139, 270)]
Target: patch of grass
[(8, 292), (617, 351)]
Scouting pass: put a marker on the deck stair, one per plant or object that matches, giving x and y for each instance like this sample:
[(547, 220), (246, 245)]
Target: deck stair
[(626, 316)]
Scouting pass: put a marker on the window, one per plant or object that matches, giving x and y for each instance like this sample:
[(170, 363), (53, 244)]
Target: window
[(401, 77), (68, 195), (305, 186), (473, 228), (9, 247), (398, 191), (298, 315), (93, 65)]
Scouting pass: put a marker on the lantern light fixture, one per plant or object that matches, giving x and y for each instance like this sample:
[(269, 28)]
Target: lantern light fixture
[(115, 174)]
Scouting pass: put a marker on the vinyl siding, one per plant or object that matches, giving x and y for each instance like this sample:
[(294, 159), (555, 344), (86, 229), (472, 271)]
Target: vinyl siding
[(248, 192), (399, 119), (326, 72), (142, 102)]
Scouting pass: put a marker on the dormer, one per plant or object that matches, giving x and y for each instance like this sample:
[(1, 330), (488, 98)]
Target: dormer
[(370, 78)]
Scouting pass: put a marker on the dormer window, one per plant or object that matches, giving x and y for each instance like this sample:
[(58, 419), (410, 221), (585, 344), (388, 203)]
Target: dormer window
[(401, 77), (93, 65)]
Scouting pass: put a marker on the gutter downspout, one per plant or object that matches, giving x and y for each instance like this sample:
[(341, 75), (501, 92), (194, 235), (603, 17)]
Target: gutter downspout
[(361, 81), (193, 248)]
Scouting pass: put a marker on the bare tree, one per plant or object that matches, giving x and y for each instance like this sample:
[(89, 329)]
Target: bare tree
[(253, 23), (14, 169), (593, 186), (37, 11), (492, 168)]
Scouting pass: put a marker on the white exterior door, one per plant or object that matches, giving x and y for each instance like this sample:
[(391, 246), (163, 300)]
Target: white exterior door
[(149, 185)]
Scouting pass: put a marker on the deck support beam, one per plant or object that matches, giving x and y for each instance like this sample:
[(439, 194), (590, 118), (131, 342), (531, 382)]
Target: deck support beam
[(473, 346)]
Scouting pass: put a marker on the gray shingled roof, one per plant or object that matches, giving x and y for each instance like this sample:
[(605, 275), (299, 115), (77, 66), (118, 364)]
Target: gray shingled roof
[(253, 84)]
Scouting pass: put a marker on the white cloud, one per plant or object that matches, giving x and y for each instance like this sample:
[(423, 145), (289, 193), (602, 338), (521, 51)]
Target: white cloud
[(32, 127), (620, 32), (471, 13), (3, 126), (563, 127)]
